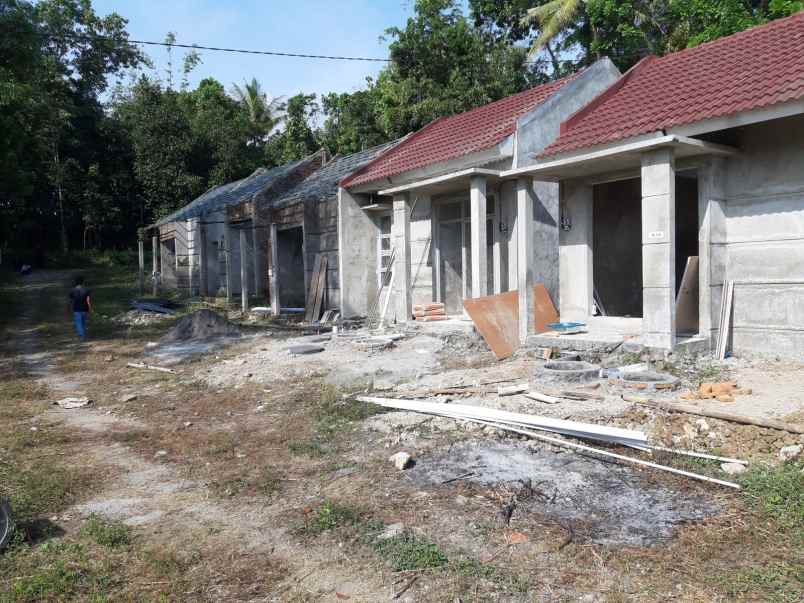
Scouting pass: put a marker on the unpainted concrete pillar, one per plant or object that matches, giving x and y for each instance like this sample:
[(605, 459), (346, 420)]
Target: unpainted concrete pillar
[(400, 230), (659, 248), (155, 262), (508, 198), (227, 254), (524, 224), (141, 257), (575, 263), (203, 261), (243, 271), (712, 250), (477, 204), (273, 272), (496, 245)]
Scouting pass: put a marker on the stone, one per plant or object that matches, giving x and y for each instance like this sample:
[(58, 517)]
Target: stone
[(160, 453), (128, 398), (702, 425), (392, 531), (303, 349), (733, 468), (789, 453), (401, 460)]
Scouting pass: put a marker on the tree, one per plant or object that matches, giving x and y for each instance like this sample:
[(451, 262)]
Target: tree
[(264, 114), (352, 121), (298, 139)]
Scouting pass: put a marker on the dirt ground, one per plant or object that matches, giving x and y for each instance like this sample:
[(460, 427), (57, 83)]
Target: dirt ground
[(252, 474)]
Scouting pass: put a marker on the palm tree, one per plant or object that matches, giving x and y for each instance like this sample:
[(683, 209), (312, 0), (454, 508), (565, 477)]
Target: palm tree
[(264, 114), (554, 17)]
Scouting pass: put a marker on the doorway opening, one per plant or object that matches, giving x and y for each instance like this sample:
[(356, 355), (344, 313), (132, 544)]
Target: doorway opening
[(290, 262), (454, 245), (687, 253), (617, 248)]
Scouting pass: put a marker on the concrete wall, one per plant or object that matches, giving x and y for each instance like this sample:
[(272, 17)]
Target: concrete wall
[(357, 258), (540, 127), (764, 239)]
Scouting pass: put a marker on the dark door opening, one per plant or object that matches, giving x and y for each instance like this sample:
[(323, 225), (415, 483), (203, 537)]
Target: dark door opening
[(686, 248), (617, 248), (290, 260)]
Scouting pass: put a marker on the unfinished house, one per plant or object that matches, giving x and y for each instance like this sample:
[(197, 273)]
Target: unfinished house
[(435, 212), (684, 177), (300, 227), (198, 248)]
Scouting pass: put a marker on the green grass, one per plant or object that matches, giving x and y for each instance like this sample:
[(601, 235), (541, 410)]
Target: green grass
[(780, 583), (409, 551), (112, 534), (330, 516), (778, 492), (312, 448)]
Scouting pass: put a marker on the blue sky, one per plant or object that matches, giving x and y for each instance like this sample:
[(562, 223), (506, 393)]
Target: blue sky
[(346, 27)]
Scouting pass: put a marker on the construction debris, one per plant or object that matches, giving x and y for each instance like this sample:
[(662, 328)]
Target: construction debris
[(514, 422), (790, 453), (201, 324), (611, 435), (429, 312), (715, 414), (496, 318), (733, 468), (304, 349), (542, 398), (142, 365), (723, 392), (511, 390), (70, 403)]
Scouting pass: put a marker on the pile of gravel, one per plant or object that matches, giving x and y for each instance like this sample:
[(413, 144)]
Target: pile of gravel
[(201, 324)]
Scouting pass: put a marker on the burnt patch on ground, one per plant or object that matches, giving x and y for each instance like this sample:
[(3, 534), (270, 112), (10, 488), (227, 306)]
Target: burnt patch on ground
[(603, 502)]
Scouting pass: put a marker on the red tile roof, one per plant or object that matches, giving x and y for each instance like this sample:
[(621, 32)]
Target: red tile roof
[(756, 68), (450, 137)]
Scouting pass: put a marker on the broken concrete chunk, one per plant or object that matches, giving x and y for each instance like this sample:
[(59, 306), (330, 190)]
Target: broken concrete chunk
[(160, 453), (401, 460), (702, 425), (305, 349), (733, 468), (128, 398), (510, 390), (70, 403), (789, 453)]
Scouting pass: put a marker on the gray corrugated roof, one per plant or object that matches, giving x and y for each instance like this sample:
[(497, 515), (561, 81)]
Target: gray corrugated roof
[(323, 183), (234, 193)]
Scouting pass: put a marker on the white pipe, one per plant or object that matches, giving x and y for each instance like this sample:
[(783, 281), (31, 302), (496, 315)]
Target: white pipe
[(700, 455)]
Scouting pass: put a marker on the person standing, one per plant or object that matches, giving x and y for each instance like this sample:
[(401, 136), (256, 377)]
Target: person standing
[(80, 306)]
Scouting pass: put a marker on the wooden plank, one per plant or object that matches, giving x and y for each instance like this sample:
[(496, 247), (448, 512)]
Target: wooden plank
[(496, 318), (715, 414), (313, 292), (724, 339), (544, 311), (687, 298), (321, 289)]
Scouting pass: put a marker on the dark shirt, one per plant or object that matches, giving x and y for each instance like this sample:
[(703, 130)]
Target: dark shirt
[(79, 299)]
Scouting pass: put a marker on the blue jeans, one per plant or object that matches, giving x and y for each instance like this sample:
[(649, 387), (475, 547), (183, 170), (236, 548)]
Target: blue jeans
[(81, 323)]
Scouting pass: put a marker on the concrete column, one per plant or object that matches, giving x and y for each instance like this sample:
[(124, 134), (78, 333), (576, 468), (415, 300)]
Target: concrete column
[(477, 205), (435, 253), (659, 248), (256, 235), (155, 252), (273, 272), (141, 256), (400, 234), (712, 248), (243, 271), (524, 223), (203, 260), (575, 267), (227, 254)]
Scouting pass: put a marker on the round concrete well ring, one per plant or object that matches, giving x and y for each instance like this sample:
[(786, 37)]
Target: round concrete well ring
[(569, 371), (646, 380)]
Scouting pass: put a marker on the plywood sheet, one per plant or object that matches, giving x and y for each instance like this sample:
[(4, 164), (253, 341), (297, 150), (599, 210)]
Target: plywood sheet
[(496, 318), (544, 311), (687, 299)]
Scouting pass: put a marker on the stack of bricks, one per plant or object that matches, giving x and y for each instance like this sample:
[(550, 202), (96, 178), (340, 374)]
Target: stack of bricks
[(429, 312)]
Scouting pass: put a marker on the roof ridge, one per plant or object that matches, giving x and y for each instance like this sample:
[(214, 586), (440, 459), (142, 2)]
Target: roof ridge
[(605, 95), (390, 152)]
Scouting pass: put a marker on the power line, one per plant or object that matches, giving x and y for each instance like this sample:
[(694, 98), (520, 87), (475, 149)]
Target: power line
[(212, 48)]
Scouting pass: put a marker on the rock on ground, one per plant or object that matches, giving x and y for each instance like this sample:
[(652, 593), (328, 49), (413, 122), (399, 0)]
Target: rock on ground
[(733, 468), (401, 460), (790, 453)]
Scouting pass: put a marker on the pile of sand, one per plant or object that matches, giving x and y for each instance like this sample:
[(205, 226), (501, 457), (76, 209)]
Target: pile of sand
[(201, 324)]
